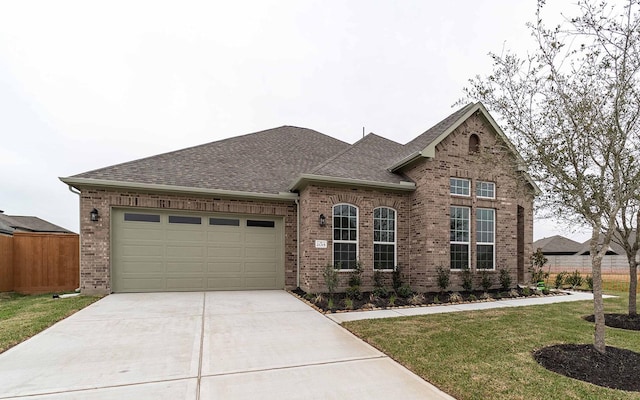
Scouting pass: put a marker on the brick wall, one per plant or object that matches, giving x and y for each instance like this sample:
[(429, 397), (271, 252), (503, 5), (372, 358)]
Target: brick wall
[(316, 200), (95, 250), (430, 203)]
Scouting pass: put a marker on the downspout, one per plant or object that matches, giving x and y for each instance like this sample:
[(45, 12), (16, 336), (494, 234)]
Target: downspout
[(297, 243), (71, 189)]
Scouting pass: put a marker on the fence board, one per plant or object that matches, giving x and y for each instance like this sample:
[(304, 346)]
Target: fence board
[(46, 262), (6, 263)]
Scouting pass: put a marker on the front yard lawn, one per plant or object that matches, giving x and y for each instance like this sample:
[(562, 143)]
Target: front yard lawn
[(488, 354), (23, 316)]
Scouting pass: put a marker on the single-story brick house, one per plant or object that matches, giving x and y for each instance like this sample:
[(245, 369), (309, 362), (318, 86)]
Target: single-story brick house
[(271, 209)]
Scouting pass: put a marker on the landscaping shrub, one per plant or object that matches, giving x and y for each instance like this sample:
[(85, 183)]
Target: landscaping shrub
[(330, 275), (355, 278), (574, 279), (455, 297), (589, 280), (397, 279), (443, 277), (486, 280), (467, 280), (560, 279), (404, 291), (538, 261), (505, 279), (354, 293)]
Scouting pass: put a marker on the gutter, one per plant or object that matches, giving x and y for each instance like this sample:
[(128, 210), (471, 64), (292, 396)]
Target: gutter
[(154, 187), (303, 179), (297, 243)]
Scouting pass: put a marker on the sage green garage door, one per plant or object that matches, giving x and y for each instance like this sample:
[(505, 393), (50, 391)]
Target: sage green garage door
[(173, 251)]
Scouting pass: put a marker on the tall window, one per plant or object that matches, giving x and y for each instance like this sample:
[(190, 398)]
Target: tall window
[(459, 237), (485, 238), (384, 238), (459, 186), (345, 236)]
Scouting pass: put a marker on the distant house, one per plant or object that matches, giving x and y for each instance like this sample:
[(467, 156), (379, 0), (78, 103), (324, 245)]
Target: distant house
[(564, 254), (17, 223), (271, 209)]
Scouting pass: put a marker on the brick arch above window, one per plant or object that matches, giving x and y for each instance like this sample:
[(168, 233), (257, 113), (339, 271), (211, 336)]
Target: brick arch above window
[(384, 202), (348, 198)]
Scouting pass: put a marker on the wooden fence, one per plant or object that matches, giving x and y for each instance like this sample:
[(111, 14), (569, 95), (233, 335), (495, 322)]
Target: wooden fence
[(39, 263)]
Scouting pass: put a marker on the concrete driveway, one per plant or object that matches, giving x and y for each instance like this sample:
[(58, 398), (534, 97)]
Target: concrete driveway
[(211, 345)]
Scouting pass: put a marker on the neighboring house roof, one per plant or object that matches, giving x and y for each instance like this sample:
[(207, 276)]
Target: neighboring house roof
[(5, 229), (614, 248), (557, 245), (30, 224), (274, 162)]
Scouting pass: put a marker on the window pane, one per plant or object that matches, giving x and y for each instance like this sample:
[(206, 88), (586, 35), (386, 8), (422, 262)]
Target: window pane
[(485, 189), (459, 256), (174, 219), (141, 217), (224, 221), (459, 186), (262, 224), (485, 256)]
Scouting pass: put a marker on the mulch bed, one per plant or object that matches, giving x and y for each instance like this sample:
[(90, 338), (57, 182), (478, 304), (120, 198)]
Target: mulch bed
[(616, 369), (622, 321), (368, 301)]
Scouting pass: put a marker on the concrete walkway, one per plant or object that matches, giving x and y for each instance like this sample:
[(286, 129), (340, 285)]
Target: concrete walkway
[(213, 345), (411, 311)]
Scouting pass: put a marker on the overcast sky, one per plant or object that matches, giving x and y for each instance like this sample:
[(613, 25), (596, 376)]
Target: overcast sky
[(87, 84)]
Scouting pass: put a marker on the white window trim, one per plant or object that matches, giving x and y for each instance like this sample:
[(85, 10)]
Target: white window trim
[(493, 244), (394, 243), (334, 241), (486, 197), (460, 179), (467, 243)]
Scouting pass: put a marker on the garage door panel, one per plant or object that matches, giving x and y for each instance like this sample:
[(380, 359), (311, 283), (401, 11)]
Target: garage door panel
[(223, 252), (260, 282), (185, 236), (142, 250), (187, 251), (223, 267), (226, 283), (141, 233), (261, 267), (142, 267), (185, 283), (184, 267), (260, 252)]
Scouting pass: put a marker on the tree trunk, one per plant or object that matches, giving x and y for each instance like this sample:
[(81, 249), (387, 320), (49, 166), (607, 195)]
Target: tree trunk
[(633, 285), (598, 305)]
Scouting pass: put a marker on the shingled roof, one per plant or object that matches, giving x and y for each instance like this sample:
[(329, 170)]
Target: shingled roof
[(557, 245), (275, 161), (30, 224)]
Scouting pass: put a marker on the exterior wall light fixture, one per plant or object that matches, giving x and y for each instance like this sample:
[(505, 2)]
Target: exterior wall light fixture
[(94, 215), (322, 220)]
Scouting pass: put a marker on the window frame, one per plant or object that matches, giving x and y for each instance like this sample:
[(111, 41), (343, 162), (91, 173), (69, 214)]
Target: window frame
[(482, 243), (394, 243), (452, 184), (454, 242), (334, 241), (479, 183)]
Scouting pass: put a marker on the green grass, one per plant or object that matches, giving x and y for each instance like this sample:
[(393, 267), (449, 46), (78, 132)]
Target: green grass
[(23, 316), (487, 354)]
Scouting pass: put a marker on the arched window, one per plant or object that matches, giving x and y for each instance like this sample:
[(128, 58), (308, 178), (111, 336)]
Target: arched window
[(384, 238), (345, 236), (474, 143)]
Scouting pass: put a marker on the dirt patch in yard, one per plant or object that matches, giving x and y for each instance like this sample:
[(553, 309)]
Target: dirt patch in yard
[(622, 321), (616, 369)]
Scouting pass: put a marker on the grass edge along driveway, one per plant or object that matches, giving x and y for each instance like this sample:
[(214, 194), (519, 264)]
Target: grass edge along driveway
[(23, 316), (487, 354)]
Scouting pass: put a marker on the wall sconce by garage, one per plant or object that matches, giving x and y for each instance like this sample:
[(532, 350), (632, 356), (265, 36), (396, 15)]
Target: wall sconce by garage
[(94, 215), (322, 220)]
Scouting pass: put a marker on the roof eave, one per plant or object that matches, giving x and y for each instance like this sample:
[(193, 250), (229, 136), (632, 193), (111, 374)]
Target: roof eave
[(303, 179), (79, 183)]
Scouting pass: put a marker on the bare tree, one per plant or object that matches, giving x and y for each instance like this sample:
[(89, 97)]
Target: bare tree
[(628, 237), (572, 107)]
